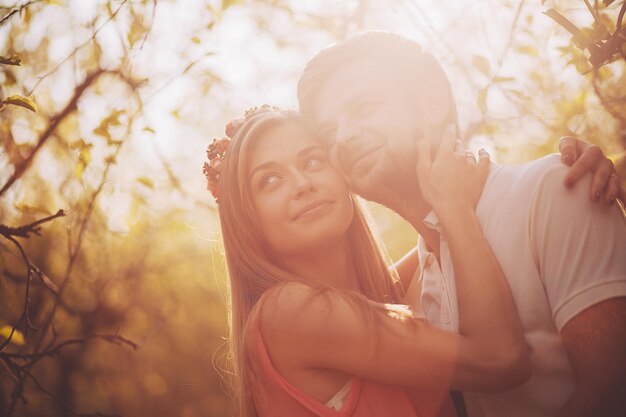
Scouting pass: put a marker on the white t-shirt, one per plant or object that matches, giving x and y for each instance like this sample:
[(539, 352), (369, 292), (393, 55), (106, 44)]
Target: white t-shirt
[(560, 252)]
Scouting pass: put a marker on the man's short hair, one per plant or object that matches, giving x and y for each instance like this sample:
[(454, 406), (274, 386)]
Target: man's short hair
[(372, 45)]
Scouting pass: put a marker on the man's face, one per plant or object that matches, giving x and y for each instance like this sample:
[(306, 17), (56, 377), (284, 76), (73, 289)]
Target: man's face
[(369, 120)]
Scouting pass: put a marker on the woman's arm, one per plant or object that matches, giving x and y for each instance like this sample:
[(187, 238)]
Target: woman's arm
[(312, 331), (584, 158)]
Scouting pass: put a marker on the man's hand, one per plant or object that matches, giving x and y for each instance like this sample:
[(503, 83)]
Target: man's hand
[(584, 157)]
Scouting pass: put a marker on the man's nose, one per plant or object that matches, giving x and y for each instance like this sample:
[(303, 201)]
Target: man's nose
[(347, 135)]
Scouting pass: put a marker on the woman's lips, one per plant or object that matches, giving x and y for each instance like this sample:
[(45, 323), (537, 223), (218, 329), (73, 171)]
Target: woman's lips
[(312, 210)]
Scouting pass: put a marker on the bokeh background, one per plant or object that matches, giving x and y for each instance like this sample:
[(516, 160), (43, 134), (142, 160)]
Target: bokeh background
[(108, 106)]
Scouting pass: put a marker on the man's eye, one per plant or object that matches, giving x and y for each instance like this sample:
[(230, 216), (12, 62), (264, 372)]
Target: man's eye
[(327, 136), (365, 108), (313, 162)]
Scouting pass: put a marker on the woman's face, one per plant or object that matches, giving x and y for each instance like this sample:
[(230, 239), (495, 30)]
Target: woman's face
[(302, 203)]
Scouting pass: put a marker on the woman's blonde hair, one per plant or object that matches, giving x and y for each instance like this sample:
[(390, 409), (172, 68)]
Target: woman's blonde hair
[(251, 271)]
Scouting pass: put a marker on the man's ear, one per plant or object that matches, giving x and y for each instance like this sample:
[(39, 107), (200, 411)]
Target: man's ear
[(435, 101)]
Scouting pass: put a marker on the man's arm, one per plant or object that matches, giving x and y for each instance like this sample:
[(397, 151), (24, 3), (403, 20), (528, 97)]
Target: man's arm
[(581, 253), (595, 341)]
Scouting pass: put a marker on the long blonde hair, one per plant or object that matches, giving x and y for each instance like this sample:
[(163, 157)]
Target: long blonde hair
[(251, 272)]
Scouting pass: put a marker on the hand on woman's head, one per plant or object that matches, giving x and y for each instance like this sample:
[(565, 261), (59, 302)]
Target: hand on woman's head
[(447, 177)]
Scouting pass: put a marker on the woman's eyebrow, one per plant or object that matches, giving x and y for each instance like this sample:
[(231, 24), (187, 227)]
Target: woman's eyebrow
[(301, 154), (261, 167)]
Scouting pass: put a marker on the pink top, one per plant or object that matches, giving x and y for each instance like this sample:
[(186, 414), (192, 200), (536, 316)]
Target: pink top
[(275, 396)]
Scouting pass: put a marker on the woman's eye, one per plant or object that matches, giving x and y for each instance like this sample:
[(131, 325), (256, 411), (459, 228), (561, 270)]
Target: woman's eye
[(268, 180)]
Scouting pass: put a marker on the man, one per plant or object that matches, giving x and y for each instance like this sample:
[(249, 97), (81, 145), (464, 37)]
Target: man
[(564, 256)]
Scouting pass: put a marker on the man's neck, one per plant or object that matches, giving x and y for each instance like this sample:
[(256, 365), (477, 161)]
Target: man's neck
[(412, 207)]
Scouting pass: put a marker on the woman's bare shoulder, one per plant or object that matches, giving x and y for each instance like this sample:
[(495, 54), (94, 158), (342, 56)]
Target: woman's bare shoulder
[(291, 305)]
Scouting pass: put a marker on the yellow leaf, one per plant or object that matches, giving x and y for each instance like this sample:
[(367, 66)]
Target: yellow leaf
[(103, 131), (146, 181), (149, 129), (26, 209), (227, 3), (482, 64), (528, 50), (25, 14), (48, 283), (137, 29), (482, 100), (195, 39), (17, 338), (79, 170), (84, 158), (22, 102)]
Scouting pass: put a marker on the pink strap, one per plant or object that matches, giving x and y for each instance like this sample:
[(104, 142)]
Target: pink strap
[(307, 401)]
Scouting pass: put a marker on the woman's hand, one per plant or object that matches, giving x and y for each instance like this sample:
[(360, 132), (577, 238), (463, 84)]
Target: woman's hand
[(449, 179), (584, 157)]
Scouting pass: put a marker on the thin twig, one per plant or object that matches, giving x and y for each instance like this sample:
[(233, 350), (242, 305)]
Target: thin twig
[(79, 47), (18, 10), (21, 167)]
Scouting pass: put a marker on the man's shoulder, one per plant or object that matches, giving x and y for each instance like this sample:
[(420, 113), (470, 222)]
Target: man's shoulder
[(516, 194), (517, 184), (525, 181), (529, 172)]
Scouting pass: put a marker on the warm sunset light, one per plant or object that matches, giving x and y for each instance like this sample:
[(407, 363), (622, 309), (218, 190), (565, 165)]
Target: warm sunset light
[(115, 296)]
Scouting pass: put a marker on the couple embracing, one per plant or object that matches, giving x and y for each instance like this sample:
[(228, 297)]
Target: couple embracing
[(512, 304)]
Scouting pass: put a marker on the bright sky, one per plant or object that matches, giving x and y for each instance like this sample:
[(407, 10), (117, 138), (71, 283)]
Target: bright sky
[(256, 53)]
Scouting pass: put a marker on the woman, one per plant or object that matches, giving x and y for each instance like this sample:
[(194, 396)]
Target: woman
[(317, 326)]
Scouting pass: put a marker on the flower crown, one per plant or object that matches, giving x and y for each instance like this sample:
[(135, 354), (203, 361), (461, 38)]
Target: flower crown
[(216, 151)]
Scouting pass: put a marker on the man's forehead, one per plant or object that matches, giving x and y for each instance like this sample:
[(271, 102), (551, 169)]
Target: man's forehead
[(355, 81)]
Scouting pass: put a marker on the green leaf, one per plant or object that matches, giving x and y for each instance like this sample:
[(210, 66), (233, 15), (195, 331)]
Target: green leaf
[(22, 102), (482, 64), (12, 60), (148, 129)]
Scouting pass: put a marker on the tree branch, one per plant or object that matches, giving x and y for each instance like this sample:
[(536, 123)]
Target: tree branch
[(54, 123)]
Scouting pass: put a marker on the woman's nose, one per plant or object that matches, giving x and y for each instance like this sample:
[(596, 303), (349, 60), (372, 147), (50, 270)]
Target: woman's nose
[(302, 183)]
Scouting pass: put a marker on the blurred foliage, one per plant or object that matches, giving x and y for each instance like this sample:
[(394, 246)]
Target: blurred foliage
[(105, 110)]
